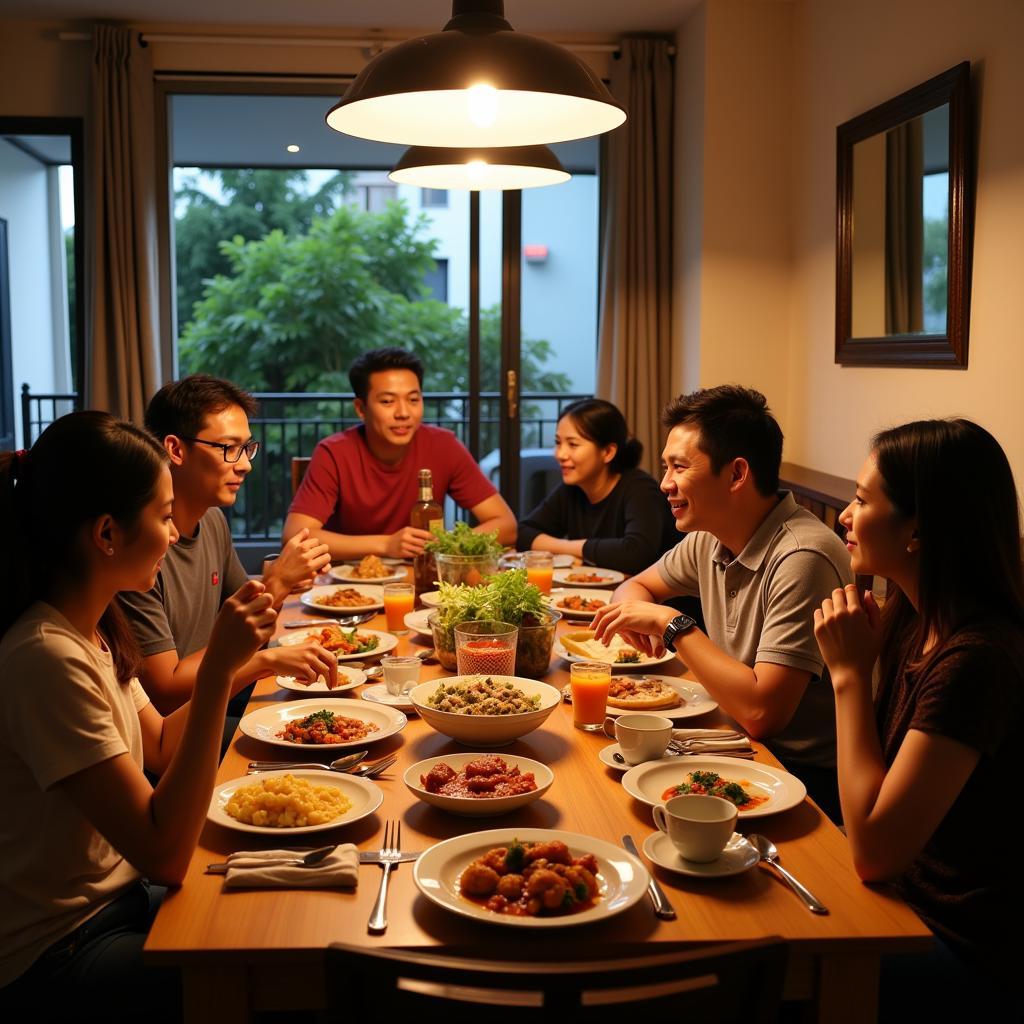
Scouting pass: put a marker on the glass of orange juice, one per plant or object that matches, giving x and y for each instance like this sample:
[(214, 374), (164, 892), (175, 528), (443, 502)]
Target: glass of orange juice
[(589, 681), (399, 599), (539, 567)]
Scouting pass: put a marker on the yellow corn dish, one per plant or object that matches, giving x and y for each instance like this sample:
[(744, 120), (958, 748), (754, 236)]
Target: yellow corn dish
[(283, 801)]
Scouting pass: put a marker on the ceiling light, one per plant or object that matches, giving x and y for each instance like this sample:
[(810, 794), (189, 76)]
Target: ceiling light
[(292, 148), (476, 83), (479, 170)]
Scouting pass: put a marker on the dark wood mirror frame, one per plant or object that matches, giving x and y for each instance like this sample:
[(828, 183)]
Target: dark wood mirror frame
[(949, 349)]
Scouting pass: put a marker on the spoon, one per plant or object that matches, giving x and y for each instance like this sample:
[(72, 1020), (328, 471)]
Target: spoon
[(769, 852), (308, 860), (342, 764)]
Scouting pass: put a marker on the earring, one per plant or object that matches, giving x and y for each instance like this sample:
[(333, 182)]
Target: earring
[(110, 551)]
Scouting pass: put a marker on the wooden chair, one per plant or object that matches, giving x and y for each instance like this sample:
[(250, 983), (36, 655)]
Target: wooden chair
[(739, 982), (300, 463)]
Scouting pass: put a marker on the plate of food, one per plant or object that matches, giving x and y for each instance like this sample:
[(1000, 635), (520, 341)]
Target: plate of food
[(343, 600), (478, 785), (580, 604), (370, 569), (332, 723), (293, 801), (348, 678), (581, 645), (417, 622), (490, 876), (757, 789), (668, 696), (585, 576), (344, 644), (431, 598)]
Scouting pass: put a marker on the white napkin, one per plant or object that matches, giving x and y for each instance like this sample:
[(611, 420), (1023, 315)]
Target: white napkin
[(266, 869), (710, 741)]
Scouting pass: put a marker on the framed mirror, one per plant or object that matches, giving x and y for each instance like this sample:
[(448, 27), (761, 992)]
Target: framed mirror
[(903, 240)]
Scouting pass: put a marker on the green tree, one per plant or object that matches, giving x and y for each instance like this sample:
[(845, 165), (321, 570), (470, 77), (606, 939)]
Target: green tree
[(256, 201), (936, 263)]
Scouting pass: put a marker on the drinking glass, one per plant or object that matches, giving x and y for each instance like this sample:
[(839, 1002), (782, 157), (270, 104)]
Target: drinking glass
[(401, 673), (399, 599), (486, 647), (589, 681), (539, 568)]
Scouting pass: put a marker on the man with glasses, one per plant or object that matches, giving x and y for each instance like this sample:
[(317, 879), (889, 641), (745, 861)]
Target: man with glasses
[(203, 423)]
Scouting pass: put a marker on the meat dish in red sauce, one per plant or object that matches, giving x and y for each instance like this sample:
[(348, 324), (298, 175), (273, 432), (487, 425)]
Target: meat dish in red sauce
[(487, 776)]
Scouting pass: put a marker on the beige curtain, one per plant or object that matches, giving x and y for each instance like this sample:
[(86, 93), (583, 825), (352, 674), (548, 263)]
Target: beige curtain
[(634, 334), (122, 350), (904, 228)]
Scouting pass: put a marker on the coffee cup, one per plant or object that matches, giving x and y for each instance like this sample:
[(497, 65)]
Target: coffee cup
[(697, 826), (641, 737)]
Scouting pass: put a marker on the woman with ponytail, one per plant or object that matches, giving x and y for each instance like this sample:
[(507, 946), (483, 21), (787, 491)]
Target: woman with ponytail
[(85, 514), (606, 511)]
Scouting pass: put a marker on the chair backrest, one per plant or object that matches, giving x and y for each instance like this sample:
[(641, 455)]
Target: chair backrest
[(300, 463), (739, 982)]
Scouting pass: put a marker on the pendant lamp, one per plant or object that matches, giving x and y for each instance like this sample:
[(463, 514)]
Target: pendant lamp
[(479, 170), (476, 83)]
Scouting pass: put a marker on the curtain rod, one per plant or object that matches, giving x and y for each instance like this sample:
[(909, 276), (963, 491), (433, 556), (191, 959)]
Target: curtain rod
[(357, 44)]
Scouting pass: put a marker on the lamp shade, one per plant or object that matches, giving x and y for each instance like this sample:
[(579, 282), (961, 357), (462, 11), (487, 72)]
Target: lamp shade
[(479, 170), (476, 83)]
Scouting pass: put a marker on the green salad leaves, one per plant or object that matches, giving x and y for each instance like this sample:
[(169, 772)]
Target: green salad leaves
[(507, 597), (463, 541)]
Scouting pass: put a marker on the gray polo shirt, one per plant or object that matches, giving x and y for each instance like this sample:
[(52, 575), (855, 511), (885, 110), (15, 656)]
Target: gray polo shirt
[(197, 574), (759, 607)]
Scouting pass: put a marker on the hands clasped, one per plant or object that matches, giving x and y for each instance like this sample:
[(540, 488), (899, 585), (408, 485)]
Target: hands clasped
[(640, 623), (848, 631)]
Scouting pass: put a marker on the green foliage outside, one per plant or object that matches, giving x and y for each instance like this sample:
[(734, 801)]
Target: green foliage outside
[(936, 272)]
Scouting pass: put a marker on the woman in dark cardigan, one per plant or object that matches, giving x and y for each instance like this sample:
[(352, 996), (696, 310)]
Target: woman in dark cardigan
[(606, 511)]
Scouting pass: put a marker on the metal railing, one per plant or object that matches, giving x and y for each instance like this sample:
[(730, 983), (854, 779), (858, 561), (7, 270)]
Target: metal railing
[(289, 425)]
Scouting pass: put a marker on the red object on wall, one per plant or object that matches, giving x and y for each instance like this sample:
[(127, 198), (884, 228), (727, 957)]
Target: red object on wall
[(535, 253)]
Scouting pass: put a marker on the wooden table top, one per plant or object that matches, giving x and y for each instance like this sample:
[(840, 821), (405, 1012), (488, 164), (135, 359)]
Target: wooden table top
[(202, 923)]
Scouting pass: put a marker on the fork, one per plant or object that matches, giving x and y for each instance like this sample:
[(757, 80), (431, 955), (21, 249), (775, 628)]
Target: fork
[(365, 771), (709, 747), (390, 854)]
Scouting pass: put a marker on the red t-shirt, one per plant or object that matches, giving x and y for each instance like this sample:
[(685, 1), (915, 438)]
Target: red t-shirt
[(350, 491)]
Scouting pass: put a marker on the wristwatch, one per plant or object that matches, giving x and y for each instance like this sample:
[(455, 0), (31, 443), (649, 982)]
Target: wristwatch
[(679, 625)]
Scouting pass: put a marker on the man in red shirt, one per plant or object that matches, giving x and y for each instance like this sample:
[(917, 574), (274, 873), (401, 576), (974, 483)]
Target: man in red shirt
[(361, 484)]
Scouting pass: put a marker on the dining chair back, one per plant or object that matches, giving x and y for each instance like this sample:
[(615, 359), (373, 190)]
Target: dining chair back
[(739, 982), (300, 463)]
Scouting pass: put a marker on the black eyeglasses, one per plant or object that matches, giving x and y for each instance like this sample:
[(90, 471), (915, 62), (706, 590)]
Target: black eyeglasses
[(231, 452)]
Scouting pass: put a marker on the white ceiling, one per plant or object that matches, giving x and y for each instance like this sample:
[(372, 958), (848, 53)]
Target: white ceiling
[(566, 16)]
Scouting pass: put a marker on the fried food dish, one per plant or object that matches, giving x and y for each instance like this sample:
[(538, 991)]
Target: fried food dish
[(482, 696), (641, 694), (326, 727), (344, 597), (487, 776), (370, 568), (712, 784), (578, 603), (532, 880), (583, 644), (338, 641), (586, 577), (286, 802)]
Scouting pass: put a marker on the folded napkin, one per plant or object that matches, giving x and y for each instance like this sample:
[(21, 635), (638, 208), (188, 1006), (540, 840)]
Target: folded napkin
[(268, 869), (710, 741)]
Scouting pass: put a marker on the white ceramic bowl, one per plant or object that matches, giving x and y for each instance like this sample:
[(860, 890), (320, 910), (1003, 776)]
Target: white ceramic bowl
[(478, 806), (485, 730)]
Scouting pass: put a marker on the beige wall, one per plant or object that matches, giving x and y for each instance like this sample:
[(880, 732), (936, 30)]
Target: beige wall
[(848, 58), (42, 77)]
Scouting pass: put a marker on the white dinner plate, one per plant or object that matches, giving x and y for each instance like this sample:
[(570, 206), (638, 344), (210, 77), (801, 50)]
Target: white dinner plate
[(695, 699), (646, 782), (623, 877), (609, 577), (569, 613), (265, 723), (737, 857), (386, 559), (628, 666), (431, 598), (385, 641), (378, 694), (417, 622), (374, 597), (348, 679), (365, 797), (344, 574)]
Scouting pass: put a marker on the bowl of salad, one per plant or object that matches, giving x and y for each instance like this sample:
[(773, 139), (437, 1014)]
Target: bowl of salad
[(462, 556)]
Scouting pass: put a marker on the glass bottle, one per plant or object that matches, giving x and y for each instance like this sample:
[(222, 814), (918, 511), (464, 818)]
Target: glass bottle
[(425, 514)]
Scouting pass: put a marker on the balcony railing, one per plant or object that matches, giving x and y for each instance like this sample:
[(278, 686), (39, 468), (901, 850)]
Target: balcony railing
[(289, 425)]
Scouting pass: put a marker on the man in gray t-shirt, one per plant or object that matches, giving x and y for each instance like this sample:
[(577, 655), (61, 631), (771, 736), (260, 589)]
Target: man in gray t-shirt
[(760, 565)]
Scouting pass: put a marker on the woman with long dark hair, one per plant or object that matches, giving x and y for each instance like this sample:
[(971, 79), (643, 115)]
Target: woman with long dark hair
[(85, 514), (606, 511), (928, 770)]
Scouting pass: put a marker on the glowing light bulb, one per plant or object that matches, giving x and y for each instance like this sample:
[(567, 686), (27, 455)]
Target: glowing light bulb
[(292, 148), (482, 105), (476, 171)]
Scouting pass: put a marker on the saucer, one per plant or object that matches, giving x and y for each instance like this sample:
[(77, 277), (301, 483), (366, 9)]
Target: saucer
[(379, 695), (737, 857), (605, 756)]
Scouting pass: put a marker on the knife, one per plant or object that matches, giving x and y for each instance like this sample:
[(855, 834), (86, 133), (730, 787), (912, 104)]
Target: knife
[(662, 907), (365, 857)]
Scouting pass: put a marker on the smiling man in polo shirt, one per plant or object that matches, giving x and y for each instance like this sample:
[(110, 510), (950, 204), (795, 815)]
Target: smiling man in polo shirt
[(361, 484), (760, 565)]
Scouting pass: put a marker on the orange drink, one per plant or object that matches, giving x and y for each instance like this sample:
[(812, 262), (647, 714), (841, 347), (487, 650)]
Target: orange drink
[(539, 568), (590, 681), (399, 599)]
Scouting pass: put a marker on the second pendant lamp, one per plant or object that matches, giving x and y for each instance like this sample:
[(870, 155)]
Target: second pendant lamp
[(479, 170)]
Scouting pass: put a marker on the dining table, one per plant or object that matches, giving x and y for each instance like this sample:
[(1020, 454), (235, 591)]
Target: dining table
[(247, 950)]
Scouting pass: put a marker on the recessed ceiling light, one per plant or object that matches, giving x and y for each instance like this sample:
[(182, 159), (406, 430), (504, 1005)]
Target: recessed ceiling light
[(292, 148)]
